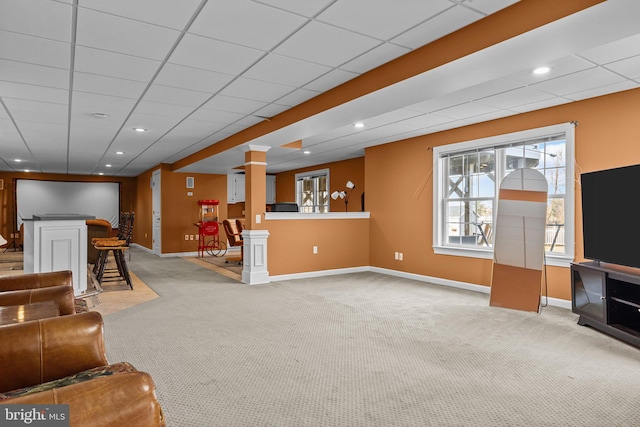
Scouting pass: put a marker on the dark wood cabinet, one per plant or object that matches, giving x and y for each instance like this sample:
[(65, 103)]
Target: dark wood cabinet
[(607, 298)]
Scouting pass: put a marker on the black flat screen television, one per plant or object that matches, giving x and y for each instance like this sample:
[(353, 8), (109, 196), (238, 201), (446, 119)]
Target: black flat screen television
[(611, 216)]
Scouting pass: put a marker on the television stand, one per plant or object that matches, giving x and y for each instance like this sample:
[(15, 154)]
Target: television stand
[(607, 298)]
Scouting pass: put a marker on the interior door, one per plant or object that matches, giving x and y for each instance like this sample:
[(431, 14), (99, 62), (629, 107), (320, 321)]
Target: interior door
[(155, 206)]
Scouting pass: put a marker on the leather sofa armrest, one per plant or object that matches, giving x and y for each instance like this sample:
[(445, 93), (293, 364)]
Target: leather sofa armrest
[(126, 399), (49, 349), (36, 280), (61, 295)]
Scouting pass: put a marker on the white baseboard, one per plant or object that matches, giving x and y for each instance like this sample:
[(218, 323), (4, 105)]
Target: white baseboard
[(554, 302)]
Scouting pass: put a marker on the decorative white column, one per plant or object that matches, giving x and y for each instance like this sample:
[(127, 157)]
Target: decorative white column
[(255, 234), (56, 243), (254, 271)]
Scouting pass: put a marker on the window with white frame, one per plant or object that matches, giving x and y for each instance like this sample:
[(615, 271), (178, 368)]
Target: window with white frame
[(312, 191), (467, 178)]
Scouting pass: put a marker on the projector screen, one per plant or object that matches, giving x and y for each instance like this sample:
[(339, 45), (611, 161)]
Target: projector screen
[(100, 199)]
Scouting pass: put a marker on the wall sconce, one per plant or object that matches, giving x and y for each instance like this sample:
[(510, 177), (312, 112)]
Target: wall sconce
[(344, 195)]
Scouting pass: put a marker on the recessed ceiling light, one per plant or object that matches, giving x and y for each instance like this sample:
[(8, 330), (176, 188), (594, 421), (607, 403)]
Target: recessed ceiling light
[(541, 70), (100, 115), (140, 129), (358, 125), (108, 166), (307, 152), (27, 170), (100, 173), (18, 160), (120, 153)]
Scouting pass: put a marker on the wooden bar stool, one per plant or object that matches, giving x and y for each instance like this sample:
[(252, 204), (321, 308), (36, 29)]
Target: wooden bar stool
[(117, 247)]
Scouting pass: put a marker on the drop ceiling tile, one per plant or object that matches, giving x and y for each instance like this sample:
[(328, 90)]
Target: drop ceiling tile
[(201, 52), (435, 104), (192, 78), (603, 90), (324, 44), (389, 118), (156, 127), (39, 18), (547, 103), (173, 112), (377, 56), (298, 96), (234, 105), (286, 71), (245, 22), (482, 90), (20, 72), (629, 68), (307, 8), (437, 26), (421, 122), (514, 98), (614, 51), (256, 90), (93, 83), (490, 116), (194, 129), (167, 13), (88, 102), (489, 6), (558, 68), (466, 110), (33, 92), (379, 18), (578, 82), (25, 112), (176, 96), (100, 62), (215, 116), (34, 50), (114, 34), (330, 80), (41, 135)]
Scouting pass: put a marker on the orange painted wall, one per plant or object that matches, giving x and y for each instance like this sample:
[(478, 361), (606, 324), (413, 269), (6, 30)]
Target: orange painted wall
[(339, 173), (400, 199), (7, 211), (179, 211), (342, 243)]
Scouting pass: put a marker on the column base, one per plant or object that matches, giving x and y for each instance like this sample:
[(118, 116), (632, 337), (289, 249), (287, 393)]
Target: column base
[(254, 269)]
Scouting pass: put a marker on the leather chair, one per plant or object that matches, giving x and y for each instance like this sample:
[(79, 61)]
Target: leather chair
[(234, 237), (96, 228), (62, 360), (28, 288)]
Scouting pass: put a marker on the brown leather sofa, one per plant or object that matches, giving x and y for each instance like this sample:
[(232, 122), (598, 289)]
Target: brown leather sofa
[(62, 360), (37, 287)]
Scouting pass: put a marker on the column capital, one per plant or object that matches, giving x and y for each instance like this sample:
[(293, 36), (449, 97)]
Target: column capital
[(253, 147)]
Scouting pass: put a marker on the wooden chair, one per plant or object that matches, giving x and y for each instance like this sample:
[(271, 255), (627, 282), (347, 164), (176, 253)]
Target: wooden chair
[(96, 228), (234, 236)]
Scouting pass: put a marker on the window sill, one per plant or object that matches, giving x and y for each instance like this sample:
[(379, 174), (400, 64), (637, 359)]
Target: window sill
[(329, 215), (551, 260)]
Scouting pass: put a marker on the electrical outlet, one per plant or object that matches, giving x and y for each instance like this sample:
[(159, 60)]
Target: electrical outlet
[(400, 256), (197, 237), (396, 256), (186, 237), (315, 249), (191, 237)]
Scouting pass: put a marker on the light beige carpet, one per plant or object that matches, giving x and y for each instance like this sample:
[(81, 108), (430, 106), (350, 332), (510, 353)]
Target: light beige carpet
[(365, 350)]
